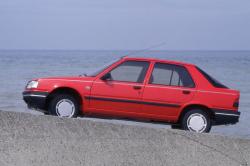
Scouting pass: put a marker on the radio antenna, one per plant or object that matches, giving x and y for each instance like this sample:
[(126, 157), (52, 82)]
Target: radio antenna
[(145, 50)]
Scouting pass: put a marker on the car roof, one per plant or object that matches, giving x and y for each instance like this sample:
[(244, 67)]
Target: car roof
[(157, 60)]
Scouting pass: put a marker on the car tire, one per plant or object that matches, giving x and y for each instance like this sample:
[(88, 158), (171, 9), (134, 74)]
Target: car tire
[(196, 120), (64, 105)]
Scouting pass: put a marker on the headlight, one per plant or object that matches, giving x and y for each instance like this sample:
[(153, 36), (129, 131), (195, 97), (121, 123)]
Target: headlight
[(32, 84)]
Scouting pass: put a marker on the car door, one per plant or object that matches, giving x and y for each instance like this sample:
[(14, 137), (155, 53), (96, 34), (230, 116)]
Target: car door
[(169, 87), (119, 91)]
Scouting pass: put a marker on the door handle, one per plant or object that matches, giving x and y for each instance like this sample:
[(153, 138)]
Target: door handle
[(137, 87), (186, 92)]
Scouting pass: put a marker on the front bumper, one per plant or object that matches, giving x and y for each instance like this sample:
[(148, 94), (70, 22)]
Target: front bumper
[(35, 100), (224, 117)]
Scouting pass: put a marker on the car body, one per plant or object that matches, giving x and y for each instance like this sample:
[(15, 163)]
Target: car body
[(140, 88)]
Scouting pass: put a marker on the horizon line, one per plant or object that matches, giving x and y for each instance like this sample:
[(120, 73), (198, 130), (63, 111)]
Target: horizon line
[(123, 50)]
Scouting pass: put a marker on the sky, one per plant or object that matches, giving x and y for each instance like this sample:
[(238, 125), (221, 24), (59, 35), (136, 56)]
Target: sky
[(125, 24)]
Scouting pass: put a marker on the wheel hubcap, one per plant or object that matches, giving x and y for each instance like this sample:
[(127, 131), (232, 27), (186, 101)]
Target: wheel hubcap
[(65, 108), (197, 123)]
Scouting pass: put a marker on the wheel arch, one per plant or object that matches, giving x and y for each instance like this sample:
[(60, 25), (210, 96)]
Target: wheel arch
[(195, 106), (64, 90)]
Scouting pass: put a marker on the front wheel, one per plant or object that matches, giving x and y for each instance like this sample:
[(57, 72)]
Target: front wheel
[(196, 121), (64, 105)]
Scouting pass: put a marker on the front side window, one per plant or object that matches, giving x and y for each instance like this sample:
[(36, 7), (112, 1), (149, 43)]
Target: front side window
[(130, 71), (171, 75)]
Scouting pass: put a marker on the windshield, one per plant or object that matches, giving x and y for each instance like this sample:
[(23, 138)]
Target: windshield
[(100, 69), (213, 81)]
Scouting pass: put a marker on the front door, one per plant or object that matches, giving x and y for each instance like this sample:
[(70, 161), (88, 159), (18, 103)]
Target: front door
[(119, 91), (169, 87)]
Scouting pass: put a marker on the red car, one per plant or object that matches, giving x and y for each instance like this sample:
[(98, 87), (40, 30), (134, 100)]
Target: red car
[(140, 88)]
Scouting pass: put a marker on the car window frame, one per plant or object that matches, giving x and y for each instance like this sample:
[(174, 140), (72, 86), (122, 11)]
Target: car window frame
[(174, 86), (112, 67)]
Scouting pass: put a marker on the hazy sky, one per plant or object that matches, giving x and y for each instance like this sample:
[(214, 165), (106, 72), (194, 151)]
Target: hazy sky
[(125, 24)]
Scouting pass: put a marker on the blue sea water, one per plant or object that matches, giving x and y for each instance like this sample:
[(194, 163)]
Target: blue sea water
[(18, 66)]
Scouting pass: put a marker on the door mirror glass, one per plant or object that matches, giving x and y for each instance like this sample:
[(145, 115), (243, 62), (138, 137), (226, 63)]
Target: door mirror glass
[(106, 77)]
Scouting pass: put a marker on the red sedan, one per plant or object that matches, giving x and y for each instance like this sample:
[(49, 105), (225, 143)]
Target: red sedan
[(140, 88)]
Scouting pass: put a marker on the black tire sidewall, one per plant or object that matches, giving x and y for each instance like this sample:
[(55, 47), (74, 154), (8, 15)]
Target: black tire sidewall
[(189, 113), (59, 97)]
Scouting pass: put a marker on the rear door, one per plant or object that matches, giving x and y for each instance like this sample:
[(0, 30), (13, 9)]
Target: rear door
[(169, 87), (122, 93)]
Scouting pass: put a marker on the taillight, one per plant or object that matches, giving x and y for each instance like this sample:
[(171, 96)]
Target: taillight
[(236, 103)]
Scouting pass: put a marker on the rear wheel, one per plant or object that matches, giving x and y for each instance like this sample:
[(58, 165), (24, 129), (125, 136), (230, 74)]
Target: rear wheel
[(196, 121), (64, 105)]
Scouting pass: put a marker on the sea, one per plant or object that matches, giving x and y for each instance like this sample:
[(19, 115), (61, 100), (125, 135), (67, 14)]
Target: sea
[(17, 67)]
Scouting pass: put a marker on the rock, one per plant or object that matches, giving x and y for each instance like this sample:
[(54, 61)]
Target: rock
[(30, 140)]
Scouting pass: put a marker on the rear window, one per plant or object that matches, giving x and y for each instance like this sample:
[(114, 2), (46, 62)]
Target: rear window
[(212, 81)]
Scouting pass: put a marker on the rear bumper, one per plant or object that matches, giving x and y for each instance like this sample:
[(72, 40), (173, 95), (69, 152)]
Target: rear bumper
[(224, 117), (35, 100)]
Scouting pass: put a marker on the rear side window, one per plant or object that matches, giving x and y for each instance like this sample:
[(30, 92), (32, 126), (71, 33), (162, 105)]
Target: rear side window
[(171, 75), (210, 79), (130, 71)]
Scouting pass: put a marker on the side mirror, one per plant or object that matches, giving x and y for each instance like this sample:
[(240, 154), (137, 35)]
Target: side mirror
[(106, 77)]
